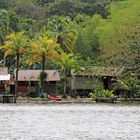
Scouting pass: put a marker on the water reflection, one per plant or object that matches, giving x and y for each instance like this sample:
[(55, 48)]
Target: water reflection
[(69, 122)]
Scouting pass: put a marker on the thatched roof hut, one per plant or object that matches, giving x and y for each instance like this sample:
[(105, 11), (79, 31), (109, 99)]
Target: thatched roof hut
[(79, 78)]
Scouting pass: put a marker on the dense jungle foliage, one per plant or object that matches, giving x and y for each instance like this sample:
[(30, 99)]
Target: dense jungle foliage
[(90, 32)]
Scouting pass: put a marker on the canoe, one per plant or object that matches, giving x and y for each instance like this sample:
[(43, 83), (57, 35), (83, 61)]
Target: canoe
[(56, 98)]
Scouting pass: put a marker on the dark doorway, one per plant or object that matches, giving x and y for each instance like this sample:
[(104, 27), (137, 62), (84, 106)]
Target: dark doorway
[(105, 82), (12, 89)]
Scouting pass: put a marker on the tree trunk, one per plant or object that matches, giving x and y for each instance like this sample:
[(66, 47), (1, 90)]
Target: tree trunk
[(65, 84), (43, 70), (43, 64), (16, 82), (4, 62)]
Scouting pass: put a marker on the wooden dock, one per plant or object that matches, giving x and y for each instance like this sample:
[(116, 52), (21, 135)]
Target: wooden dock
[(107, 99), (7, 98)]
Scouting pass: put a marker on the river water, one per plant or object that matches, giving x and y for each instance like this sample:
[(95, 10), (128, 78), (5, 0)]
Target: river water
[(69, 122)]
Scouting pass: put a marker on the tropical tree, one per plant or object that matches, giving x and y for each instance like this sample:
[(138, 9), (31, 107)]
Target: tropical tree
[(119, 35), (4, 25), (72, 7), (16, 45), (11, 22), (28, 9), (66, 62), (4, 4), (43, 49), (64, 36), (87, 43)]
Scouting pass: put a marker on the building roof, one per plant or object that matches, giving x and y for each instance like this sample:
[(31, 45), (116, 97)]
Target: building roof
[(5, 77), (3, 71), (33, 75), (98, 71)]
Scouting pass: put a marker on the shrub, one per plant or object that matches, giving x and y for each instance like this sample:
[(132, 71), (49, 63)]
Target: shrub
[(101, 93), (108, 93)]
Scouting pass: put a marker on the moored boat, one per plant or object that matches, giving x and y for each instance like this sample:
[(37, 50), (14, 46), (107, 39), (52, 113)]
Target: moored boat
[(56, 98)]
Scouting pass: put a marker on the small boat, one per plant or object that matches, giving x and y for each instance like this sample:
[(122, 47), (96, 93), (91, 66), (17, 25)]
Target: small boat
[(55, 98)]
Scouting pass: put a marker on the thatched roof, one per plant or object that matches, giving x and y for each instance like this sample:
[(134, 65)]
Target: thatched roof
[(98, 71), (4, 76)]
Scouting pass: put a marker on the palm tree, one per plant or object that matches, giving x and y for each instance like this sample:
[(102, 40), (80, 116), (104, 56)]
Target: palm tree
[(64, 36), (66, 40), (66, 62), (16, 45), (4, 25), (42, 49)]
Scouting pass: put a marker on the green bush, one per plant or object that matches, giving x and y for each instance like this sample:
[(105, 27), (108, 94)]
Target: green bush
[(134, 85), (92, 95), (69, 98), (101, 93), (108, 93)]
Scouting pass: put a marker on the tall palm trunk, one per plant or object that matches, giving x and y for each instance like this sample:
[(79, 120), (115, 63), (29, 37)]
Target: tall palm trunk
[(16, 82), (43, 70), (4, 62), (43, 64), (65, 83)]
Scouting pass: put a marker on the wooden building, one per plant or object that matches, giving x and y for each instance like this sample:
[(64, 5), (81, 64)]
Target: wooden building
[(28, 81), (80, 79), (4, 79)]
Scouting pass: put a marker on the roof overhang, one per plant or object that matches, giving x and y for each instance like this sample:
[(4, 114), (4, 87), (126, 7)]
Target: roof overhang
[(5, 77)]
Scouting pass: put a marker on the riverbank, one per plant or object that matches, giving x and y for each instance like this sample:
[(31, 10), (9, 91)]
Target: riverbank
[(26, 100), (47, 101)]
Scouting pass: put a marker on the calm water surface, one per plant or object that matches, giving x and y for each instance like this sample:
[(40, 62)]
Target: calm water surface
[(69, 122)]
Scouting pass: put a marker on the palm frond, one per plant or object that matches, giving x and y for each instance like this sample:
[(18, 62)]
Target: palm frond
[(9, 52)]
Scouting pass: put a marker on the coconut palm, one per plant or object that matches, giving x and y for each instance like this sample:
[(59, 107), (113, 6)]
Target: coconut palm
[(65, 37), (67, 40), (16, 45), (66, 62), (42, 49)]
